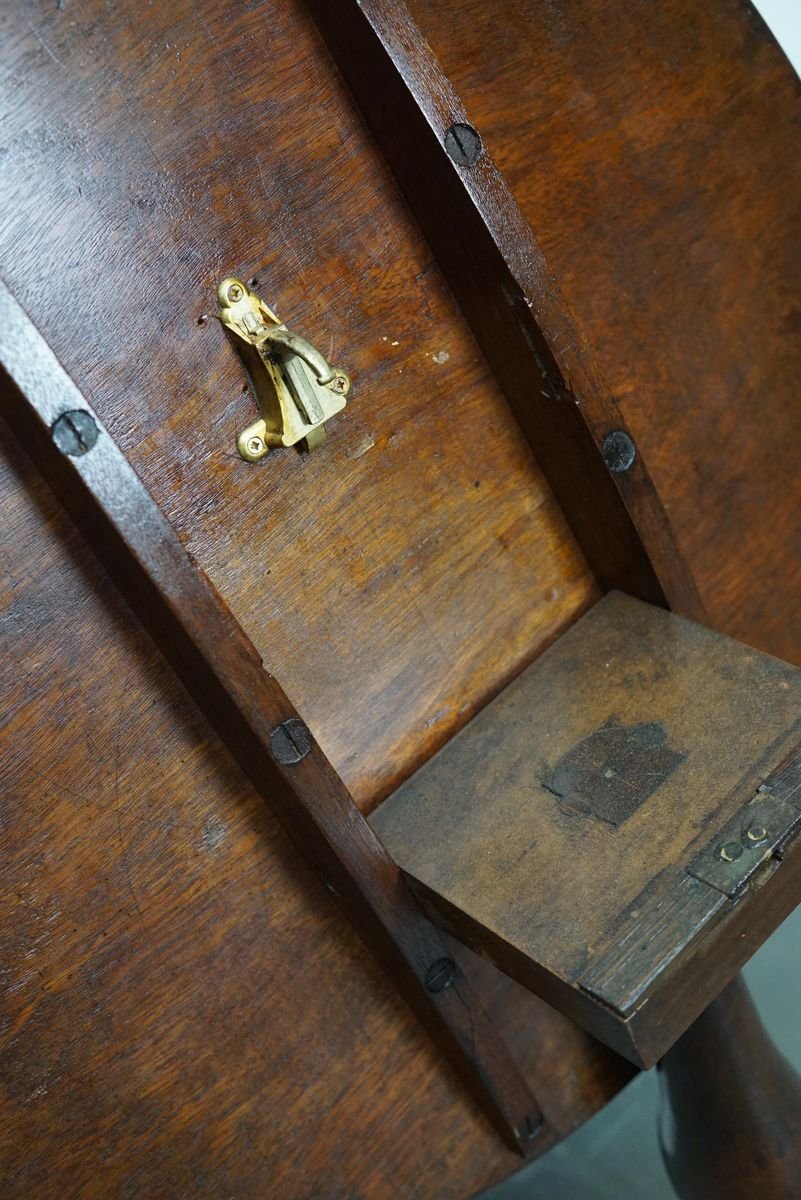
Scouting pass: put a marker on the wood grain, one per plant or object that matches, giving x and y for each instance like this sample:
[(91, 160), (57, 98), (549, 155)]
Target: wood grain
[(511, 299), (653, 150), (399, 577), (559, 831), (154, 1047), (245, 704), (431, 570), (184, 1010)]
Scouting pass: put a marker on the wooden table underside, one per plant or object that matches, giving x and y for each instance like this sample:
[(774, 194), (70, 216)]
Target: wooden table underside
[(165, 936)]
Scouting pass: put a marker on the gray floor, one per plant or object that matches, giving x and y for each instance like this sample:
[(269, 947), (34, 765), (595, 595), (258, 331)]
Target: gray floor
[(616, 1155)]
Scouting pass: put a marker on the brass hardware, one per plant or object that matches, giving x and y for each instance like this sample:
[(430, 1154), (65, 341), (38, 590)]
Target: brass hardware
[(296, 388), (754, 834)]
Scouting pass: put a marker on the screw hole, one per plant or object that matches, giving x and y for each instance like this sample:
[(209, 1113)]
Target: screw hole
[(202, 319), (253, 282)]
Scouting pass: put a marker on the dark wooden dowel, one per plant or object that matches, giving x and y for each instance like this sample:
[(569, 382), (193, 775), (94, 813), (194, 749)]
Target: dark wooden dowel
[(730, 1124)]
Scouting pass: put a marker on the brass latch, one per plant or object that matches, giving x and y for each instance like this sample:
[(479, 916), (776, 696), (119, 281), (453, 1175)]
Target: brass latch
[(296, 388)]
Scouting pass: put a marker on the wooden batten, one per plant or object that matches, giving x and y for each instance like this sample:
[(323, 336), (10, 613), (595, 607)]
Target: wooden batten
[(653, 151), (511, 300), (224, 673)]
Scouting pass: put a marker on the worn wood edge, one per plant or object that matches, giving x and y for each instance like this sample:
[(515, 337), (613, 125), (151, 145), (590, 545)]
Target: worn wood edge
[(736, 930), (223, 672), (725, 933), (742, 922), (722, 943), (774, 800), (599, 1019), (499, 275), (740, 927)]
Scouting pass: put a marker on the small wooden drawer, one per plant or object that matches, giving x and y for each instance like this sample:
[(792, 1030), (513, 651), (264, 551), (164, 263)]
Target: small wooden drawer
[(616, 829)]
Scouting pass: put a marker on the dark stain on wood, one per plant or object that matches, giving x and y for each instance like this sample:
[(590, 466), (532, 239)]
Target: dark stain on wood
[(609, 773)]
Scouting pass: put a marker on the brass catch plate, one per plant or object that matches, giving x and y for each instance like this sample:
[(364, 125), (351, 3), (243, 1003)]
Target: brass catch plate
[(296, 388)]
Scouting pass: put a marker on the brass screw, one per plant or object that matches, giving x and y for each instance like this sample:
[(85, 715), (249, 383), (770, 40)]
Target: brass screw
[(234, 293), (339, 384), (255, 445), (730, 852), (756, 833)]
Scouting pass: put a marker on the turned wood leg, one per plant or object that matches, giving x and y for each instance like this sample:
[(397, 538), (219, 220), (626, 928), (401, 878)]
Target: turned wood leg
[(730, 1123)]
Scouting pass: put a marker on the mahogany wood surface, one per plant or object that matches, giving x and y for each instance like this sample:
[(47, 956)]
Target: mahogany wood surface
[(511, 299), (246, 705), (393, 580), (184, 1010), (653, 149)]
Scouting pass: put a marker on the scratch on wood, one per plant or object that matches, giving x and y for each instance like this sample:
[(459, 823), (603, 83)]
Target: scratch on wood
[(45, 46)]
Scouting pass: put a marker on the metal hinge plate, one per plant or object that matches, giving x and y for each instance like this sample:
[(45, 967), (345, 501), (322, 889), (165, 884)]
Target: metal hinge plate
[(757, 833)]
